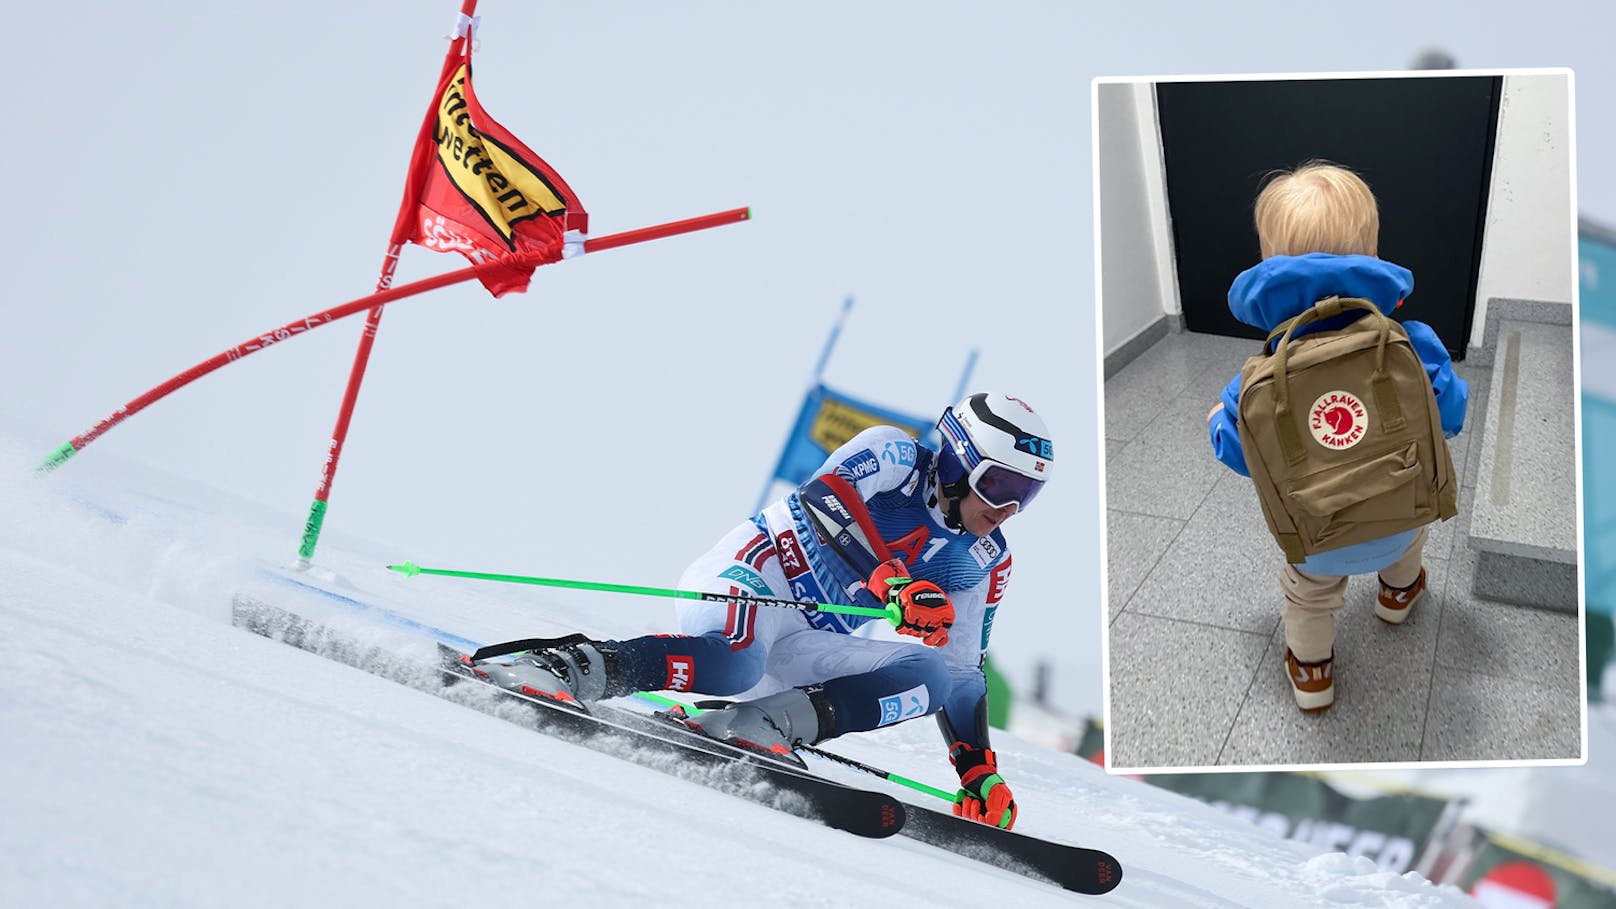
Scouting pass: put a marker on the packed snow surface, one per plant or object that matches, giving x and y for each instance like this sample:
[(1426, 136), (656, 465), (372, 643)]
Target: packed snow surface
[(157, 755)]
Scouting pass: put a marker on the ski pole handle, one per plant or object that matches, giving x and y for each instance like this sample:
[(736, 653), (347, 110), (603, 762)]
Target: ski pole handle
[(892, 612)]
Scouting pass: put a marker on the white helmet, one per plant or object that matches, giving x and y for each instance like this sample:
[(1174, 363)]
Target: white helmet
[(996, 446)]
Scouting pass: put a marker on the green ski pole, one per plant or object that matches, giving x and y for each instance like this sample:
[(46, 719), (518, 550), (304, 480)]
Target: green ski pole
[(950, 797), (891, 612)]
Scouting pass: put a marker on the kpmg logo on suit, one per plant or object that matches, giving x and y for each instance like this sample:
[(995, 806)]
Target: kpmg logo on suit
[(859, 466)]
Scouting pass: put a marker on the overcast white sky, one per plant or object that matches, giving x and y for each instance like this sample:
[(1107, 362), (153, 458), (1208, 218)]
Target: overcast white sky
[(186, 176)]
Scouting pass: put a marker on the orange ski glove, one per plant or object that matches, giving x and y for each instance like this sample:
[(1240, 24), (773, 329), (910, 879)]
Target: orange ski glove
[(983, 795), (928, 613), (888, 578)]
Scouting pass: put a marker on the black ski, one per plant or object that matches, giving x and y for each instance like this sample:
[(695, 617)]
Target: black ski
[(704, 761), (1071, 867), (658, 726), (858, 811), (1074, 868)]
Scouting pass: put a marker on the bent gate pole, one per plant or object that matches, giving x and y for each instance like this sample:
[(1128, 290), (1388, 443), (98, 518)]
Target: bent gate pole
[(308, 323), (367, 338)]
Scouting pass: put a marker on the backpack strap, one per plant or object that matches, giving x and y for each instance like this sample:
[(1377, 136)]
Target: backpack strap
[(1391, 413)]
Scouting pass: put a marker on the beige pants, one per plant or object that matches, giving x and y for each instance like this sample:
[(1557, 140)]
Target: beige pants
[(1311, 600)]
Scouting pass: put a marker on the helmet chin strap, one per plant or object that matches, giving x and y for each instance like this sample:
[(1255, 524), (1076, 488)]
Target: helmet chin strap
[(955, 494)]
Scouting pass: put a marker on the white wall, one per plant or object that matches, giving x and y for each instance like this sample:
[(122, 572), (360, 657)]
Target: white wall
[(1137, 282), (1529, 247)]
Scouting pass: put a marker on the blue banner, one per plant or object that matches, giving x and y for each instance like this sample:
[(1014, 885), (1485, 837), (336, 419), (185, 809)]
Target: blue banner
[(1596, 265)]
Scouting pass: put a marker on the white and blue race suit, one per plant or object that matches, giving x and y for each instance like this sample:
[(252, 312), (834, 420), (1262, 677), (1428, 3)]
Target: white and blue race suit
[(871, 680)]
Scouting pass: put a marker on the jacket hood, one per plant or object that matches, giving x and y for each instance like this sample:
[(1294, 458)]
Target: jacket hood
[(1283, 287)]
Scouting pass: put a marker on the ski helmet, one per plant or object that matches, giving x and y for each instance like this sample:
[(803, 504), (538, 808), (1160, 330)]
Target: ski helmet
[(996, 446)]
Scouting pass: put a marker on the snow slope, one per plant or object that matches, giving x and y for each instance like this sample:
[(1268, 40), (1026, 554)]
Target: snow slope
[(155, 755)]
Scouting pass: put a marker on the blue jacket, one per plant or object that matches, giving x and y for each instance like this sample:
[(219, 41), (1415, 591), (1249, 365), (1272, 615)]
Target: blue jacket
[(1283, 287)]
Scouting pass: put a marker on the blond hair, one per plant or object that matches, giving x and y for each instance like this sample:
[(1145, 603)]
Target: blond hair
[(1318, 207)]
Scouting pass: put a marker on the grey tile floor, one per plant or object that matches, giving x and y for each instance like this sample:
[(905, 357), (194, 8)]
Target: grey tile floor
[(1195, 642)]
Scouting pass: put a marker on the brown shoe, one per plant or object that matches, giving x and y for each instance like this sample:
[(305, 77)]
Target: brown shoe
[(1312, 683), (1394, 603)]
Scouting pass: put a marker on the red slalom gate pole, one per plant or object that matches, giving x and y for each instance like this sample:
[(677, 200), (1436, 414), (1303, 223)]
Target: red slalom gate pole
[(612, 241), (373, 321), (350, 396), (253, 345), (325, 317), (316, 519)]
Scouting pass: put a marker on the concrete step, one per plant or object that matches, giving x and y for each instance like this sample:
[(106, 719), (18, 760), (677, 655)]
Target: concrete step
[(1523, 525)]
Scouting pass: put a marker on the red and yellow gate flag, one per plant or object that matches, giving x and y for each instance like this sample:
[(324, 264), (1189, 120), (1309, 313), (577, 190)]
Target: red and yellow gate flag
[(478, 191)]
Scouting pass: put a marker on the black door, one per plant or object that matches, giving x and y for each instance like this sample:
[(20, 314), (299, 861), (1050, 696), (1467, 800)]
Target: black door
[(1424, 145)]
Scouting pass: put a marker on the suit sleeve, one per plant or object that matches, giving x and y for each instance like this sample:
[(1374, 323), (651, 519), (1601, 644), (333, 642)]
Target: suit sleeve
[(1224, 432), (964, 714), (876, 460), (1452, 392)]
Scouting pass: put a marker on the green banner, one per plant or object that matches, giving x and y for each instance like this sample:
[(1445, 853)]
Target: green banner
[(1509, 873), (1000, 695), (1393, 830), (1596, 261), (1092, 747)]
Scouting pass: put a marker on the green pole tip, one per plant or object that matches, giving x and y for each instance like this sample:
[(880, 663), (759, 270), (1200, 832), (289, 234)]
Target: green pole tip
[(57, 458), (408, 569)]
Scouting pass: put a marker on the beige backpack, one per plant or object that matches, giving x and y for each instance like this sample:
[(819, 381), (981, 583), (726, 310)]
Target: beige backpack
[(1341, 433)]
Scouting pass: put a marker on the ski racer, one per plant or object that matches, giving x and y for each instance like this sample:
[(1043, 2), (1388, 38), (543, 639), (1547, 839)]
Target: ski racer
[(885, 520)]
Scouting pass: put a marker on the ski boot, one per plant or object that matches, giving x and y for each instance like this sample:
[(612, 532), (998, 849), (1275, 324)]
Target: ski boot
[(566, 670), (772, 725)]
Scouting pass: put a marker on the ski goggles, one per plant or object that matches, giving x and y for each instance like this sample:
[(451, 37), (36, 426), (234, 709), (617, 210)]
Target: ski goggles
[(999, 486)]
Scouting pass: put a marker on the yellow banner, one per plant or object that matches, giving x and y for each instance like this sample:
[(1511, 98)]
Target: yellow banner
[(501, 186), (835, 423)]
